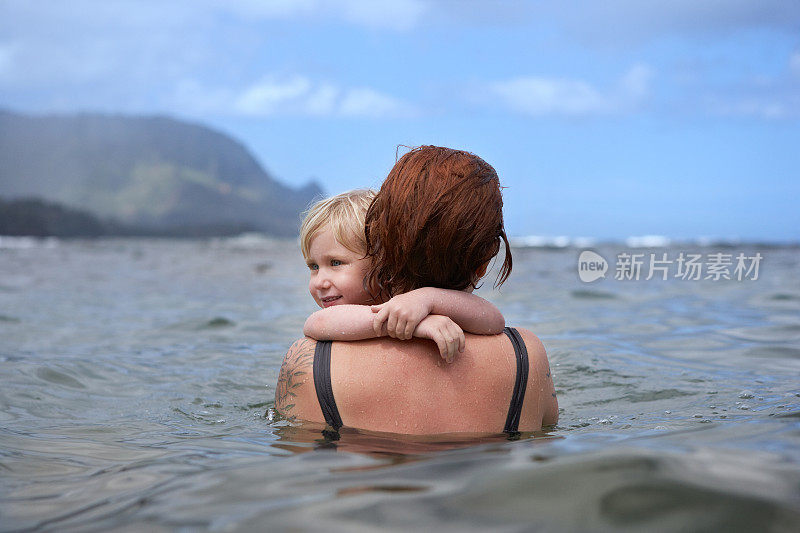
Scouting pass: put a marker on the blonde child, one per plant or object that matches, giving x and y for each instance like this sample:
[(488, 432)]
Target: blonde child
[(333, 243)]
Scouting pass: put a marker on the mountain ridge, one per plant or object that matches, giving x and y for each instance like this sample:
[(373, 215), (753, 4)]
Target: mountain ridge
[(153, 172)]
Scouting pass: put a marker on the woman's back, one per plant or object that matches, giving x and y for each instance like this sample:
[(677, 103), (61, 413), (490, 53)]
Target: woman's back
[(405, 387)]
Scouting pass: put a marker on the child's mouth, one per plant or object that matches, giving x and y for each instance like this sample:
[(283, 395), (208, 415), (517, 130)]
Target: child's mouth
[(330, 300)]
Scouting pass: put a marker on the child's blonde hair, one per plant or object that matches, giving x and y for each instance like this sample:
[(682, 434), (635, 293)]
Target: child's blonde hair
[(345, 213)]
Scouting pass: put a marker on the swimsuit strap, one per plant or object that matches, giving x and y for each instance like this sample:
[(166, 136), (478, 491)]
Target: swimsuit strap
[(322, 383), (521, 382)]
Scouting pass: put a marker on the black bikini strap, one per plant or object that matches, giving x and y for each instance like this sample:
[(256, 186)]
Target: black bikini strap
[(520, 384), (322, 383)]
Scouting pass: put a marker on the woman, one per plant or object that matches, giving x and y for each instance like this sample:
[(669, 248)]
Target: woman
[(437, 221)]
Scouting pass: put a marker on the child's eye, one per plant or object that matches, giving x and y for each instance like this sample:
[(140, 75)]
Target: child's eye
[(336, 263), (313, 266)]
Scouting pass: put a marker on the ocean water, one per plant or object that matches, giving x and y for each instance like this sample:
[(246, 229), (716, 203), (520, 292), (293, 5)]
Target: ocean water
[(137, 379)]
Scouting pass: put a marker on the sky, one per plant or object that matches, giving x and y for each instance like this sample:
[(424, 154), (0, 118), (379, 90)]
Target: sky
[(603, 119)]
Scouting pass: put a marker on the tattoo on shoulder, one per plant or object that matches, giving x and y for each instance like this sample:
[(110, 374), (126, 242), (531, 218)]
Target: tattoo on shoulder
[(297, 363)]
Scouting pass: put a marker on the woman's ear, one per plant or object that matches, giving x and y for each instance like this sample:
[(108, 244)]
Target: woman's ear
[(481, 272), (477, 277)]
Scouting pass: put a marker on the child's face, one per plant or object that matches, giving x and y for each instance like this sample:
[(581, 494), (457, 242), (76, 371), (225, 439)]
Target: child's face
[(337, 274)]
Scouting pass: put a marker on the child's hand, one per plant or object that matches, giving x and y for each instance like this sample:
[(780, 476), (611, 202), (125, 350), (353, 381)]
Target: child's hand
[(401, 315), (444, 332)]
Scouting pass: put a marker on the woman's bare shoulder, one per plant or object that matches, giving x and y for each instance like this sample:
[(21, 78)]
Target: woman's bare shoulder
[(532, 342), (542, 382), (537, 355), (294, 392)]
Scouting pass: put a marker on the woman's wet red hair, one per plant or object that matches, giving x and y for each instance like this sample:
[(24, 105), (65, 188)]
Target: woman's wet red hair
[(436, 222)]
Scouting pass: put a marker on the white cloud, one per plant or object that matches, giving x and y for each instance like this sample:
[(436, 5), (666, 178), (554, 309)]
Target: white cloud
[(322, 100), (772, 103), (538, 96), (365, 102), (268, 96), (300, 96), (753, 107), (544, 96)]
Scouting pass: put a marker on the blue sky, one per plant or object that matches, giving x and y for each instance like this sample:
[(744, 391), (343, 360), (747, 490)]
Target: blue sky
[(603, 119)]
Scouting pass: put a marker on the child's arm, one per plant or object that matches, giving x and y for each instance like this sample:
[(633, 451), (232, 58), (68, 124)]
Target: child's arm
[(342, 323), (355, 322), (449, 338), (400, 315)]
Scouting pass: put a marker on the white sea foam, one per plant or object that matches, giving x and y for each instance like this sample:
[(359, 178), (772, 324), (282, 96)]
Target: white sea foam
[(647, 241), (22, 243), (540, 241), (251, 239), (633, 241)]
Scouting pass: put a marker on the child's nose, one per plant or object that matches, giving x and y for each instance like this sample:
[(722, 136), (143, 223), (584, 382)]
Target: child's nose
[(321, 280)]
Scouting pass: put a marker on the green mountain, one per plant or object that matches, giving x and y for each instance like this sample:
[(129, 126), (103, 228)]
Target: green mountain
[(41, 219), (155, 173)]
